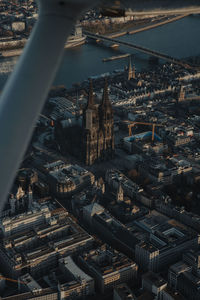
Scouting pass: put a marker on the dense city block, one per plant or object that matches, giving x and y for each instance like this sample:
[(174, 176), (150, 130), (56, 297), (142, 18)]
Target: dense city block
[(106, 203)]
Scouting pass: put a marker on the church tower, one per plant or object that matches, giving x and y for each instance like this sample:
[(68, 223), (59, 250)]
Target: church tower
[(120, 194), (30, 196), (107, 124), (131, 71), (181, 96), (98, 129), (91, 129)]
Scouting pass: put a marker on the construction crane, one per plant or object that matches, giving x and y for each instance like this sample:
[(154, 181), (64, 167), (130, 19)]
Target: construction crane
[(130, 126), (12, 280)]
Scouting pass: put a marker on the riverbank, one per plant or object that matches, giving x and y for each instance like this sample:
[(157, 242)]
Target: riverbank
[(157, 23), (131, 28), (115, 28), (194, 60), (161, 23), (180, 39)]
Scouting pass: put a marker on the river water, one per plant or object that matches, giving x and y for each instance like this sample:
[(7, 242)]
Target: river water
[(179, 39)]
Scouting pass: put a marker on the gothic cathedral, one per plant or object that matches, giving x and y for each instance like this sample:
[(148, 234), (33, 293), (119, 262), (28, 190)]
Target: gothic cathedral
[(98, 129)]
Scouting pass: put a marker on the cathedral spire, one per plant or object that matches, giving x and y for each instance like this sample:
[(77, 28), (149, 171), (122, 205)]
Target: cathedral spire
[(181, 96), (91, 96), (120, 193), (130, 72), (133, 72), (105, 98)]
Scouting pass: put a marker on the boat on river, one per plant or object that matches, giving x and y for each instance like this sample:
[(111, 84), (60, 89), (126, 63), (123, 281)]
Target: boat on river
[(116, 57)]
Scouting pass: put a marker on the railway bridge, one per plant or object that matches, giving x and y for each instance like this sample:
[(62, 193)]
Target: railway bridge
[(140, 49)]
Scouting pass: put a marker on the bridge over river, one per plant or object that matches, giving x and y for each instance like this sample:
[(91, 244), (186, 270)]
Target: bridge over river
[(145, 50)]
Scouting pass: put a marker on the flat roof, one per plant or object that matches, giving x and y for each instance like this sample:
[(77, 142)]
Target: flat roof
[(155, 279), (179, 267), (74, 269)]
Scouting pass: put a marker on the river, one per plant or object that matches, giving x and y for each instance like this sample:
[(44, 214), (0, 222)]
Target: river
[(179, 39)]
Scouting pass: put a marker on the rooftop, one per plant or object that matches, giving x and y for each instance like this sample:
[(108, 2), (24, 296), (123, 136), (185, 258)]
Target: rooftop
[(154, 279), (107, 261), (180, 267), (124, 292), (71, 174), (70, 265)]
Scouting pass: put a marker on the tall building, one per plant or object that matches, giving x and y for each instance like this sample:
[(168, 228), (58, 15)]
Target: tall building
[(120, 194), (98, 133), (91, 137), (181, 95), (131, 71)]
